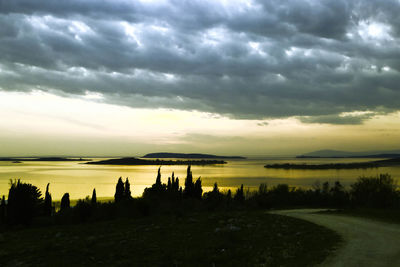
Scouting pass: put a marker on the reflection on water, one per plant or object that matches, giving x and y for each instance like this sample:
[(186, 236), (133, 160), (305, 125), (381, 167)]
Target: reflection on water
[(80, 179)]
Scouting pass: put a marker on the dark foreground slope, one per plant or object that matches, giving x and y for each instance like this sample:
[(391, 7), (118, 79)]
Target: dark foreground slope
[(203, 239)]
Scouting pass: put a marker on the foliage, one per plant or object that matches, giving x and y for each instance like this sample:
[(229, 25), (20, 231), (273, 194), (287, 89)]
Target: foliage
[(374, 191), (65, 202), (94, 197), (119, 190), (188, 191), (127, 189), (239, 196), (47, 202), (24, 202), (3, 208)]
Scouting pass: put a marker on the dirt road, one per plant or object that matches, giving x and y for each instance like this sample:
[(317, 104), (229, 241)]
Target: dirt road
[(366, 242)]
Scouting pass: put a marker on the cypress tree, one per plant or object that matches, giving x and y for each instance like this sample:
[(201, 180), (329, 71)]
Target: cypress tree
[(215, 189), (229, 195), (169, 184), (127, 194), (176, 184), (65, 203), (119, 190), (198, 191), (239, 194), (189, 186), (173, 181), (3, 210), (47, 202), (158, 179), (94, 197)]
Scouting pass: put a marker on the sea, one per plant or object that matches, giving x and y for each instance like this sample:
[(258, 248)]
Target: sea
[(80, 179)]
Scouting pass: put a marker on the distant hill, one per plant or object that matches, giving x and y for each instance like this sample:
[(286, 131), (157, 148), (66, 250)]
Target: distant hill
[(345, 154), (163, 155), (135, 161)]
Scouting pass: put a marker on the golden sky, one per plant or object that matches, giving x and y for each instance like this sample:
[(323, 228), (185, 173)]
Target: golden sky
[(44, 124)]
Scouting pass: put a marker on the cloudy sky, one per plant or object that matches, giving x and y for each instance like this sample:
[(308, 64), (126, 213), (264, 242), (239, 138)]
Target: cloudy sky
[(230, 77)]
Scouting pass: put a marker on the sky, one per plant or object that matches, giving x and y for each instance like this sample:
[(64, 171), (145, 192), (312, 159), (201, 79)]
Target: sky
[(245, 77)]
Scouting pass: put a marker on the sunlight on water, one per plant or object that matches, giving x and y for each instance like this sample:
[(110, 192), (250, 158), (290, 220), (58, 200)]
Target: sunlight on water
[(79, 179)]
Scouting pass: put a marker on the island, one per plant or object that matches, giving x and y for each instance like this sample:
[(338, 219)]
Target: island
[(168, 155), (353, 165), (136, 161)]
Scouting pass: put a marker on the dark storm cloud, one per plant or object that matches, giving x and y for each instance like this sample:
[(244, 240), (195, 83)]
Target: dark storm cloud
[(258, 60)]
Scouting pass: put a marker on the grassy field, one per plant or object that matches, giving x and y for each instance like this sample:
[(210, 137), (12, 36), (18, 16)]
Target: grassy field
[(211, 239)]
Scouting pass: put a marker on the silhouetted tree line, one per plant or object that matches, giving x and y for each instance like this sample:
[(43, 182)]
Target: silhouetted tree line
[(25, 201)]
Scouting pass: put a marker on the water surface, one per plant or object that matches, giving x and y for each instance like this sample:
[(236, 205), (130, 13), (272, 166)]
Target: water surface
[(79, 179)]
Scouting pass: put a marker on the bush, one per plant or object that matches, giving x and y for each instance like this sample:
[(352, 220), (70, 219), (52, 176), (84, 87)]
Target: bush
[(24, 203), (375, 192)]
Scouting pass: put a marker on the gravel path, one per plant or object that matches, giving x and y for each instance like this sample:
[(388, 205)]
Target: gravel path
[(366, 242)]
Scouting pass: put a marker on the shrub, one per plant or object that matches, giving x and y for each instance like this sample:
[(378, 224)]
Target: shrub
[(65, 203), (24, 202), (377, 191)]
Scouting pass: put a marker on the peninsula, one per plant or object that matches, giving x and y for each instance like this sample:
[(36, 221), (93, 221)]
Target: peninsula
[(136, 161), (353, 165)]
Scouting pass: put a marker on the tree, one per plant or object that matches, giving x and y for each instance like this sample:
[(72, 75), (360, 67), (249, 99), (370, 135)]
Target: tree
[(169, 184), (127, 193), (158, 179), (47, 202), (24, 202), (215, 189), (189, 186), (214, 197), (3, 210), (198, 190), (119, 190), (339, 195), (65, 203), (325, 188), (229, 195), (374, 191), (94, 197), (239, 196), (263, 189)]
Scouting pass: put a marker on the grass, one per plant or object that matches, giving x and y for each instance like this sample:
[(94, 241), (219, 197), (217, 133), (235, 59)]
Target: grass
[(246, 238)]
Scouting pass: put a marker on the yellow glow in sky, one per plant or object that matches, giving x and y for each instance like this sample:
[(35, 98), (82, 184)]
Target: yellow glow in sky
[(44, 124)]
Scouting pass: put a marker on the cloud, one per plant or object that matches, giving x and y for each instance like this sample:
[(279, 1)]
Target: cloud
[(244, 59)]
